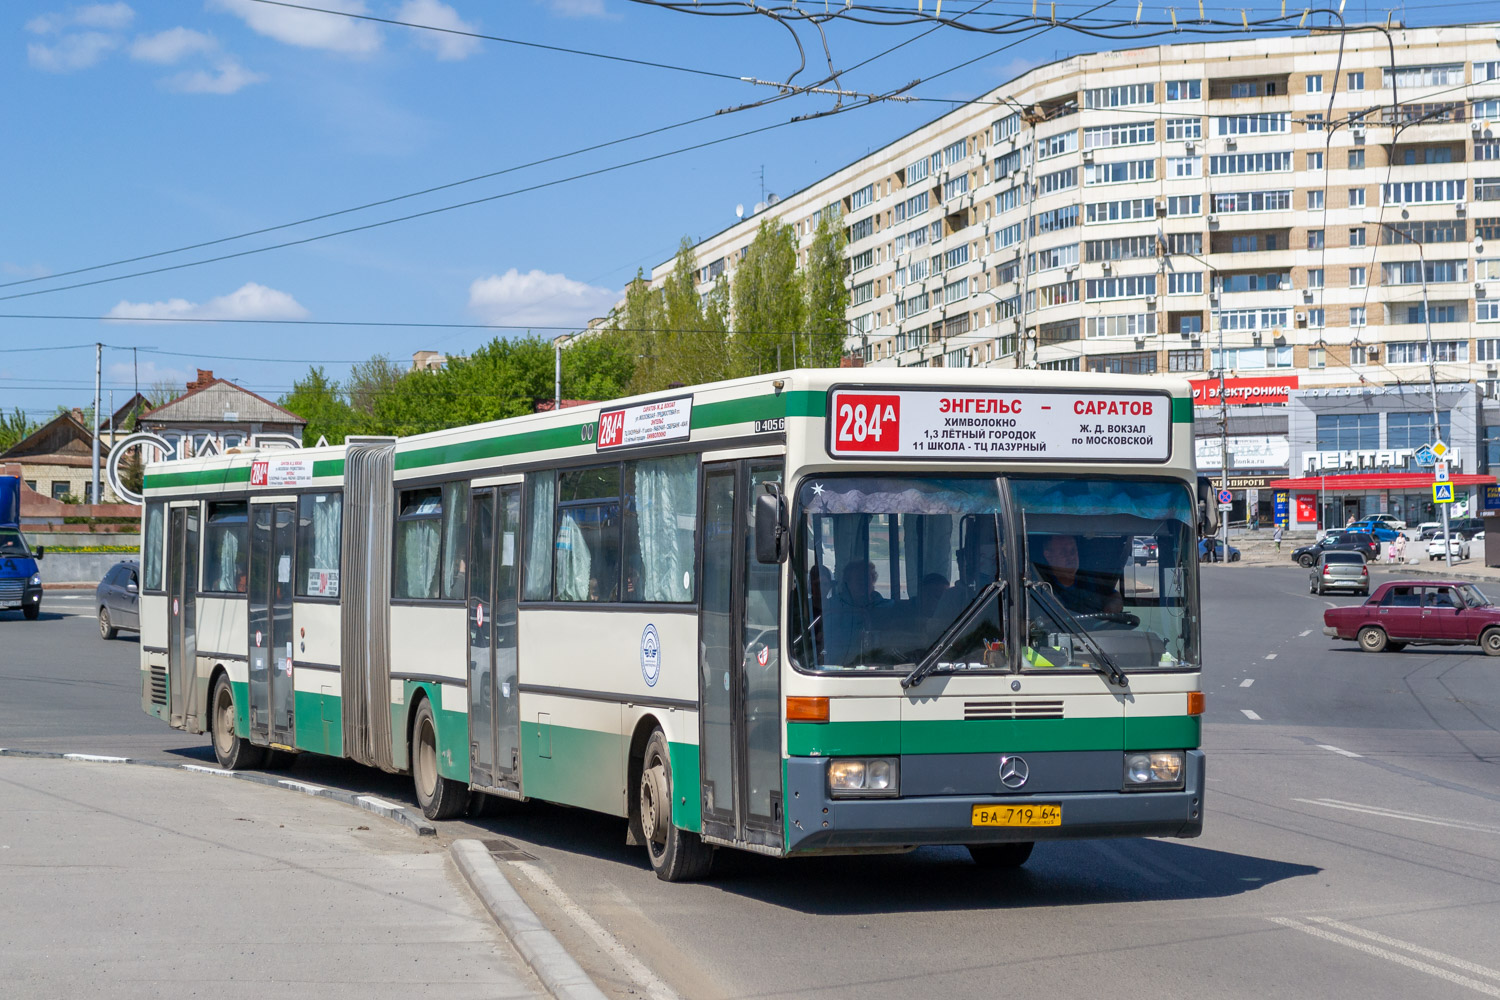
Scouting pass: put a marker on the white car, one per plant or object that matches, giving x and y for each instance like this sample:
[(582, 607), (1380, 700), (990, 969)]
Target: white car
[(1456, 546), (1429, 528), (1390, 520)]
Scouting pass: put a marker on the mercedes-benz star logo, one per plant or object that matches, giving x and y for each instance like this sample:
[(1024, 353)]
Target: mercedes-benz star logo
[(1013, 771)]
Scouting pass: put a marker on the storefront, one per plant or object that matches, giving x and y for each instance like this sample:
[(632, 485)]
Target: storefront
[(1315, 502), (1259, 449)]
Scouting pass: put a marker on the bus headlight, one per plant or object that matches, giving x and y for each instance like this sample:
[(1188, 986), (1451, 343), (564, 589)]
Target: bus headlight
[(36, 580), (863, 777), (1155, 770)]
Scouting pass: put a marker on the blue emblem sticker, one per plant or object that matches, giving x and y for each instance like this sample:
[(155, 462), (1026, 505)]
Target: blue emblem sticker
[(650, 655)]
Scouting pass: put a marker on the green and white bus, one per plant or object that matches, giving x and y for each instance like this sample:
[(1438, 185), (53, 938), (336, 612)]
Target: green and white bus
[(820, 611)]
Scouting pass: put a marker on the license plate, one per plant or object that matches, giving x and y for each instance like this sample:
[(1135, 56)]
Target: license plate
[(1046, 814)]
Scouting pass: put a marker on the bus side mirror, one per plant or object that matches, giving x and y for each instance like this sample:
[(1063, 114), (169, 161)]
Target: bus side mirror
[(1208, 507), (771, 526)]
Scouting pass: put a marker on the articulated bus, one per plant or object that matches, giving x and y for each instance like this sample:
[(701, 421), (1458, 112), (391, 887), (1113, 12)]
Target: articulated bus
[(821, 611)]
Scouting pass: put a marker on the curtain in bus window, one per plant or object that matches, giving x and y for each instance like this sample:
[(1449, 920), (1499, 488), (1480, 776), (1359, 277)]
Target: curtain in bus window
[(659, 529), (455, 539), (155, 518), (319, 540), (574, 562), (224, 561), (539, 508), (587, 549), (419, 544)]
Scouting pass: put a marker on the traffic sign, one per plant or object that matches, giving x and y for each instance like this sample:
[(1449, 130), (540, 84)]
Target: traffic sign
[(1440, 472), (1442, 492), (1439, 449), (1226, 497), (1425, 455), (1226, 506)]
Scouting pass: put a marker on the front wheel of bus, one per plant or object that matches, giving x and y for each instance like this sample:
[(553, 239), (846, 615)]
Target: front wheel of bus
[(1001, 855), (676, 855), (439, 797), (234, 753)]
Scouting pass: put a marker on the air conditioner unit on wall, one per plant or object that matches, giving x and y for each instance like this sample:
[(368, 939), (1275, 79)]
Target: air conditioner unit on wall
[(1107, 266), (1088, 156)]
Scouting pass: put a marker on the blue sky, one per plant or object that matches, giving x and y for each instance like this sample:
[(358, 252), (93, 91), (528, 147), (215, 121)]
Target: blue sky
[(145, 125)]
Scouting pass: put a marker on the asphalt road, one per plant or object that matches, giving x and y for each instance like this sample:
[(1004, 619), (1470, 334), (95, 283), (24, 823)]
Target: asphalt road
[(1351, 849)]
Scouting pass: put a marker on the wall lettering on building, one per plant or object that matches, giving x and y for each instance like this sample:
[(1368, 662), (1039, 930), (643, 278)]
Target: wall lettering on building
[(1244, 391)]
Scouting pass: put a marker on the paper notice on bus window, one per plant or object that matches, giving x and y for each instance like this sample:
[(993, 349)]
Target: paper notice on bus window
[(284, 569), (1000, 425), (508, 549), (322, 582)]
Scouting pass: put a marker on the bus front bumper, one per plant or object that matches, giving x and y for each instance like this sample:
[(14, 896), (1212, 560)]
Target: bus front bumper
[(816, 821), (29, 595)]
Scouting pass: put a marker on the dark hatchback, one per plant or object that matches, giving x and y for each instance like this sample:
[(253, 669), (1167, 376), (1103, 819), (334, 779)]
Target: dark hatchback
[(1429, 612), (1338, 540)]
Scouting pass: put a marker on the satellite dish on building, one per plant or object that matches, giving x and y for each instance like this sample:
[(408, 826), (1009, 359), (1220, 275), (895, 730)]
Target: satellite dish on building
[(772, 199), (760, 206), (739, 211)]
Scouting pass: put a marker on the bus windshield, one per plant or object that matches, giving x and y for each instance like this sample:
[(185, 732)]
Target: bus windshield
[(886, 569), (12, 544)]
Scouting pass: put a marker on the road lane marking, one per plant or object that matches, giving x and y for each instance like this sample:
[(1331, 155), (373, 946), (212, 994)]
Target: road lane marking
[(632, 966), (1304, 633), (1393, 814), (1247, 682), (1416, 949), (1390, 956), (1345, 753), (1270, 656), (1250, 715)]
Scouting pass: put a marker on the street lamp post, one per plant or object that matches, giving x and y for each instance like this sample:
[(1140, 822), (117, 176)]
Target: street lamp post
[(1431, 361), (1214, 293)]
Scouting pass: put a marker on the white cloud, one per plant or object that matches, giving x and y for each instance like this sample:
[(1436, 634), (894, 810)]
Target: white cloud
[(577, 8), (71, 52), (108, 16), (227, 77), (250, 301), (148, 374), (308, 29), (537, 298), (169, 47), (23, 270), (439, 15)]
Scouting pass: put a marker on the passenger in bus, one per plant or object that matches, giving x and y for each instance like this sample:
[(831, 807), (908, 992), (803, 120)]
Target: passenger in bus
[(930, 593), (1081, 592), (853, 613)]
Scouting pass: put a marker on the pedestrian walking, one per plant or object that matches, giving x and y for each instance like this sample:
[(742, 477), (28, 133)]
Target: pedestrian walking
[(1276, 537)]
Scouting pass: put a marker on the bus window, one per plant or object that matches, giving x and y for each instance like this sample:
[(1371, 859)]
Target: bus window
[(320, 526), (455, 540), (587, 550), (541, 489), (151, 547), (418, 544), (224, 550), (661, 508)]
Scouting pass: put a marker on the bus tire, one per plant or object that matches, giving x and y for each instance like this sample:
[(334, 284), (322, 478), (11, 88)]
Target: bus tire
[(439, 797), (1372, 639), (676, 855), (107, 629), (233, 752), (483, 805), (1001, 855), (32, 611)]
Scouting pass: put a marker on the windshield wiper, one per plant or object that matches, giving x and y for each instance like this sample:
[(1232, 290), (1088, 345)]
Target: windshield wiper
[(1102, 663), (930, 663)]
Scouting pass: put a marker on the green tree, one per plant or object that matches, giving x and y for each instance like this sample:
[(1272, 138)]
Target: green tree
[(371, 379), (317, 399), (598, 366), (827, 293), (768, 302), (16, 426)]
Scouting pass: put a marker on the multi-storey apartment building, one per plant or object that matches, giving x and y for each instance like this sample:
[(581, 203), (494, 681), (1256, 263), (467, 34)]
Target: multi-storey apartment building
[(1281, 208)]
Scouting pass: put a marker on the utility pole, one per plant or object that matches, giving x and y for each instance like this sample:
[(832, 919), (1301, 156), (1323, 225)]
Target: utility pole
[(94, 430), (1223, 425)]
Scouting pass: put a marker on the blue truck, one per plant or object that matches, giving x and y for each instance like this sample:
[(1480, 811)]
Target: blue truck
[(20, 582)]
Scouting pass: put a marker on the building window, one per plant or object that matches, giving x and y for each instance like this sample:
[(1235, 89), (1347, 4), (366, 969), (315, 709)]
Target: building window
[(1357, 80), (1124, 134), (1356, 197), (1413, 430), (1439, 312), (1179, 205), (1415, 272), (1357, 160), (1253, 124), (1179, 129), (1055, 145), (862, 197), (1121, 288), (1317, 357), (1253, 201), (1251, 358), (1357, 236), (1132, 325), (1119, 211), (1487, 311), (1358, 355), (1315, 239), (1185, 283), (1425, 76), (1189, 323), (1119, 173), (1059, 332), (1414, 352), (1251, 163), (1356, 315), (1487, 189), (1422, 192), (1314, 122), (1184, 166), (1065, 365), (226, 548), (1184, 90), (1184, 361), (1487, 350), (1348, 431), (1315, 83), (1357, 277), (1314, 161), (1315, 318), (1315, 277), (1116, 97), (1252, 319), (1178, 243), (1315, 201), (1137, 363)]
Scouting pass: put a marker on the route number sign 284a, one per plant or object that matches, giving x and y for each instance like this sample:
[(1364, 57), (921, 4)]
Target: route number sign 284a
[(1009, 425)]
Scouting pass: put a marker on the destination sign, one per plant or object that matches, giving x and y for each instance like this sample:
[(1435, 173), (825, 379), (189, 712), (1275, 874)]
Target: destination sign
[(645, 423), (1008, 425)]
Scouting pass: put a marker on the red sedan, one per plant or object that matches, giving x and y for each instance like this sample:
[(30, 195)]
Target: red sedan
[(1431, 612)]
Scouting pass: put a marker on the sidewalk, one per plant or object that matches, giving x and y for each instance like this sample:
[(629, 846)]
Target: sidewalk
[(1259, 549), (127, 881)]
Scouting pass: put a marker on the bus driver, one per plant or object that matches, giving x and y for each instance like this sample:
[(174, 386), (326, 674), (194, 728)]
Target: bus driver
[(1081, 593)]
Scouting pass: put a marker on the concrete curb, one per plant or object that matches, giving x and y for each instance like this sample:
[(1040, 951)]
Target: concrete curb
[(559, 972), (413, 821)]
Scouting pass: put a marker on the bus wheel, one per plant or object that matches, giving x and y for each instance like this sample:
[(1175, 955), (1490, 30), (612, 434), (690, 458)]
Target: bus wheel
[(32, 611), (234, 753), (676, 855), (1001, 855), (439, 797)]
